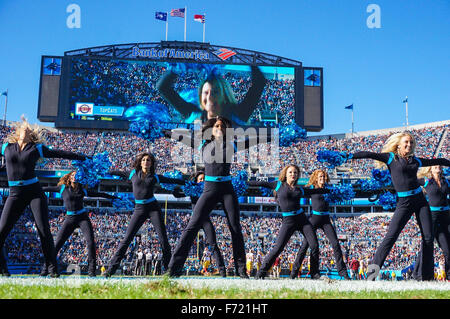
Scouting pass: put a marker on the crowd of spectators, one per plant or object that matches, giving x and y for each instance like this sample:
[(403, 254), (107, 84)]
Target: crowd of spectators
[(122, 148)]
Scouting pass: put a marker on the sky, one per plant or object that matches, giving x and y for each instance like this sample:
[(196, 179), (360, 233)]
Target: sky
[(407, 53)]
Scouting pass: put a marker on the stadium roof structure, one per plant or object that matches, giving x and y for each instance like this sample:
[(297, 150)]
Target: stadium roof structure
[(211, 53)]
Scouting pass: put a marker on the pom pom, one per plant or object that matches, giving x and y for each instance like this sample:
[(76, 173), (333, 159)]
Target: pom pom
[(240, 182), (148, 121), (380, 179), (387, 200), (332, 158), (446, 171), (125, 201), (193, 189), (382, 176), (174, 174), (371, 184), (290, 133), (90, 171), (339, 193)]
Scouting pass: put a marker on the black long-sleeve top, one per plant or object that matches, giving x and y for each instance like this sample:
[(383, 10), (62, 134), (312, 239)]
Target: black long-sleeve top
[(20, 164), (241, 110), (437, 196), (220, 164), (143, 185), (288, 198), (318, 203), (403, 170), (73, 197)]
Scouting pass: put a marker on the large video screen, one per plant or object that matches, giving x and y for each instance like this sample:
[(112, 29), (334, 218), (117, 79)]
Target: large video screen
[(104, 89)]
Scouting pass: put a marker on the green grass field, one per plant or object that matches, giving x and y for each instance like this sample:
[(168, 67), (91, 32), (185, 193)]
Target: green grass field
[(71, 287)]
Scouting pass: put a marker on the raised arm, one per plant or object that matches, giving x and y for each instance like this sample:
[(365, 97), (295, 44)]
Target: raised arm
[(52, 153), (93, 193), (121, 174), (165, 88), (183, 137), (382, 157), (433, 161), (271, 185), (244, 109), (168, 180)]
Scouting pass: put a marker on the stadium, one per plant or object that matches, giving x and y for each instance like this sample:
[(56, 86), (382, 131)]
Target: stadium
[(92, 98)]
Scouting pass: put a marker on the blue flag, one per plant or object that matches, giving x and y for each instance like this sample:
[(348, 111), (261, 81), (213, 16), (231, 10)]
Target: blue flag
[(405, 100), (4, 93), (350, 107), (161, 16)]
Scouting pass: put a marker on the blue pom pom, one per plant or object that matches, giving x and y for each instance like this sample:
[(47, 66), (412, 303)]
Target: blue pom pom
[(193, 189), (125, 201), (148, 121), (371, 184), (239, 182), (290, 133), (332, 158), (174, 174), (387, 200), (382, 176), (90, 171), (339, 193), (446, 171)]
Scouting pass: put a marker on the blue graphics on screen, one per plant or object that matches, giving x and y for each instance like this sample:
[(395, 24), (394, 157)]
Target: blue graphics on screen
[(312, 77), (89, 109), (51, 66), (108, 87)]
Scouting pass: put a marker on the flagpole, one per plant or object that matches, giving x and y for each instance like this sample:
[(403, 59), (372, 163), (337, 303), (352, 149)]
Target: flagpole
[(6, 105), (407, 123), (167, 24), (353, 122), (185, 16), (204, 27)]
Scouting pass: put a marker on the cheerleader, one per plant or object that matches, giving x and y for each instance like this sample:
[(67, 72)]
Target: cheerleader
[(437, 189), (207, 226), (288, 195), (143, 180), (398, 155), (23, 149), (217, 155), (77, 216), (216, 97), (320, 218)]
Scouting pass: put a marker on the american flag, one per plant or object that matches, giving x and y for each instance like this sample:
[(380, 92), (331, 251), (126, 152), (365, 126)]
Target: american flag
[(177, 13), (224, 53)]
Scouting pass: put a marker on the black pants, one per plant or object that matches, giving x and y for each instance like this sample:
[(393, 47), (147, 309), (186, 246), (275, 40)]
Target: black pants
[(288, 226), (82, 221), (211, 240), (140, 215), (323, 222), (213, 193), (441, 231), (19, 198), (406, 206)]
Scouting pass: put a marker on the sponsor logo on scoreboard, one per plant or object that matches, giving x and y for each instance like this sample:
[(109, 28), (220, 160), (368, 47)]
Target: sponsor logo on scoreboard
[(84, 109), (224, 54), (169, 53), (89, 109)]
